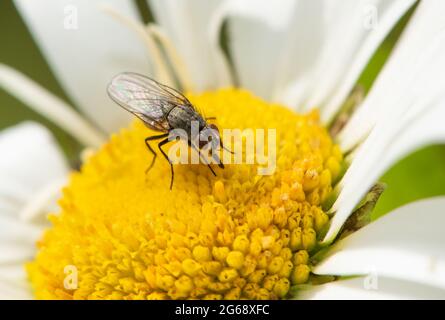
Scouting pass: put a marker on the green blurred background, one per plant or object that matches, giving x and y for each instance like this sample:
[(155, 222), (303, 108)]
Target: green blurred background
[(419, 175)]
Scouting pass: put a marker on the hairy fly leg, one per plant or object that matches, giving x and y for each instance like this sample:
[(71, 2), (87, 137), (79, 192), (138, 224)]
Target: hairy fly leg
[(152, 138), (160, 144)]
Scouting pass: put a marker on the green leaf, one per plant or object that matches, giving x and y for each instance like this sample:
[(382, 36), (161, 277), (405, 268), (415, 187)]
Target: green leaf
[(419, 175)]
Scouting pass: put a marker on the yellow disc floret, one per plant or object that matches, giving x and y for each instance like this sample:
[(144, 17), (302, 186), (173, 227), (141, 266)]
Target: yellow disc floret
[(124, 234)]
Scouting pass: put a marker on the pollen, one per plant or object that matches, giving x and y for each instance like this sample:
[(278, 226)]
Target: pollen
[(123, 234)]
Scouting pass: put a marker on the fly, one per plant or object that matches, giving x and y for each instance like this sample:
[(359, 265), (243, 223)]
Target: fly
[(163, 109)]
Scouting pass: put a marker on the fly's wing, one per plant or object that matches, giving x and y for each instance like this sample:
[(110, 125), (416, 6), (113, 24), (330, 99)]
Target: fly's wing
[(146, 98)]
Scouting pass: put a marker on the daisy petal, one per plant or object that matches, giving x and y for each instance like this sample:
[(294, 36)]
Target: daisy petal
[(361, 289), (15, 253), (400, 75), (12, 274), (13, 283), (406, 244), (188, 25), (85, 49), (15, 232), (13, 292), (288, 54), (50, 106), (411, 115), (30, 160), (379, 153)]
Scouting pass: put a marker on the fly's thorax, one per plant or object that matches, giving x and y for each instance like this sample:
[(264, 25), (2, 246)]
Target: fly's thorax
[(185, 118)]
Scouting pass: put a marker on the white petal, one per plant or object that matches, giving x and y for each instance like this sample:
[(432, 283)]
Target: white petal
[(15, 232), (400, 76), (313, 54), (160, 68), (260, 39), (44, 200), (30, 161), (411, 92), (362, 289), (406, 244), (379, 153), (188, 24), (14, 292), (15, 253), (50, 106), (84, 59), (13, 274), (14, 283)]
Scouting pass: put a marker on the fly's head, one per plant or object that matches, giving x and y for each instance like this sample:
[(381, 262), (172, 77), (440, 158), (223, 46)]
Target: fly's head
[(210, 140), (209, 135)]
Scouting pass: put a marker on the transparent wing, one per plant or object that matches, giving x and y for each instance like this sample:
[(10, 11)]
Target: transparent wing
[(146, 98)]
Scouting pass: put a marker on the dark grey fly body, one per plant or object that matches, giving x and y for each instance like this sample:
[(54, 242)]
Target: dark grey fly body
[(162, 109)]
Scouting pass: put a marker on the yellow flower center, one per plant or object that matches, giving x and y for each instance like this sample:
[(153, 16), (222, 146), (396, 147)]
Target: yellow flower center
[(124, 234)]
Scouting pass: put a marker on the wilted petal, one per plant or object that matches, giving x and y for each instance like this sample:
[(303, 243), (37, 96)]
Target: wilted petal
[(86, 48)]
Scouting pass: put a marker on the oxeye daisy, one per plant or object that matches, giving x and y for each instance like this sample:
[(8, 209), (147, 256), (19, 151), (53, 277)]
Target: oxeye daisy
[(112, 230)]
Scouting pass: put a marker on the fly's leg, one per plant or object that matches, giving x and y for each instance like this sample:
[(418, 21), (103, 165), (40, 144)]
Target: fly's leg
[(223, 147), (160, 144), (220, 141), (203, 159), (211, 169), (157, 137)]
